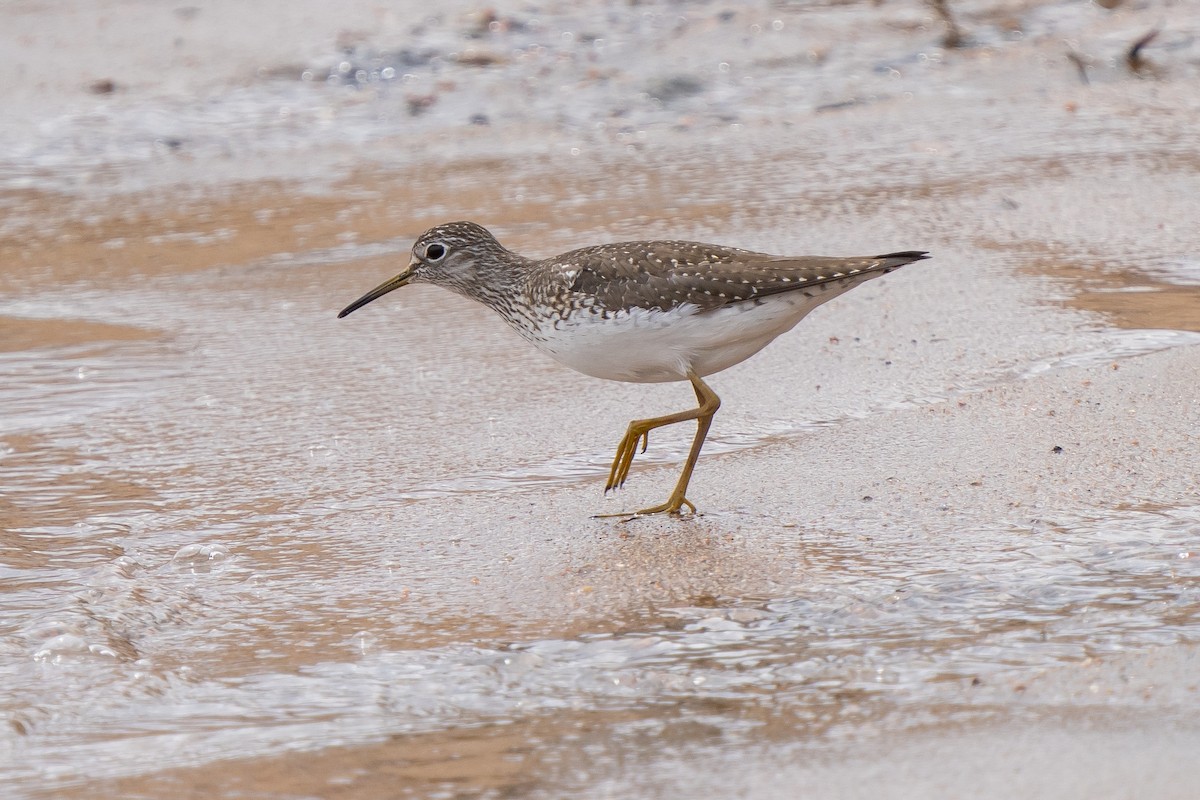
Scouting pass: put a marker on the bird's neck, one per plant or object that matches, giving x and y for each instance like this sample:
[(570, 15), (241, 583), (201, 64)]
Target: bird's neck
[(498, 284)]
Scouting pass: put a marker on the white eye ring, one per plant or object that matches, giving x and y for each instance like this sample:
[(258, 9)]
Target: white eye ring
[(435, 252)]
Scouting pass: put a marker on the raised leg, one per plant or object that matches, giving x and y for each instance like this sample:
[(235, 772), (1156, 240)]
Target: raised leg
[(639, 431)]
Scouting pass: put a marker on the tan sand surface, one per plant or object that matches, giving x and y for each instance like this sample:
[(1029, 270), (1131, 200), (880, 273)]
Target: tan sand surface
[(950, 533)]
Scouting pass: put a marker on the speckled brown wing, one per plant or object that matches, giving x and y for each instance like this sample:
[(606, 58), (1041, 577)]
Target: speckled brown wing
[(664, 275)]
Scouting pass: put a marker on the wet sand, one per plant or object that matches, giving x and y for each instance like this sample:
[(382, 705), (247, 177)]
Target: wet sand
[(950, 525)]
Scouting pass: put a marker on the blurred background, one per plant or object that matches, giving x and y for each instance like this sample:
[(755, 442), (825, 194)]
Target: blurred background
[(950, 524)]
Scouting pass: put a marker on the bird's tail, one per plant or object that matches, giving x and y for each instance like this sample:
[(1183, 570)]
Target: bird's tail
[(893, 261)]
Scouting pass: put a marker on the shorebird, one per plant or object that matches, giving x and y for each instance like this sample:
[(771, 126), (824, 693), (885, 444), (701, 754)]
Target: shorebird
[(643, 312)]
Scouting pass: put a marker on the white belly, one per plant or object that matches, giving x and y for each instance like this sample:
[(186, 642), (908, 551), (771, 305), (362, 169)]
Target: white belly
[(642, 346)]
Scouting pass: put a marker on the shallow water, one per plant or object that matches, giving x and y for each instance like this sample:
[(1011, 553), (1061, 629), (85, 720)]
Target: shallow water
[(247, 547)]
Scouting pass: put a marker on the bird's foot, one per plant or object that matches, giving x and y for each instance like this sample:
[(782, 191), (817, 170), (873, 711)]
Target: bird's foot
[(674, 506), (626, 450)]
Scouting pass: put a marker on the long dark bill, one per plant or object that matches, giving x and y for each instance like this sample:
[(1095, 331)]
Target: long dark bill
[(378, 291)]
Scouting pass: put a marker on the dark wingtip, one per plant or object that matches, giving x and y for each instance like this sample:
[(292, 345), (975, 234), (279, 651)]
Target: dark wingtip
[(909, 256)]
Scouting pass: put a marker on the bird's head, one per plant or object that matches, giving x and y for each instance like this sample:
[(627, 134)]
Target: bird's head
[(452, 255)]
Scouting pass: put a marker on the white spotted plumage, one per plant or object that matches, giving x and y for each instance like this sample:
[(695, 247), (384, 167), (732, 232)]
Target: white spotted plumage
[(643, 312)]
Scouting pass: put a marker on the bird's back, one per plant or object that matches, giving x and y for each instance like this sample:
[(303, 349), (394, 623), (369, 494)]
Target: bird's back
[(657, 310), (662, 275)]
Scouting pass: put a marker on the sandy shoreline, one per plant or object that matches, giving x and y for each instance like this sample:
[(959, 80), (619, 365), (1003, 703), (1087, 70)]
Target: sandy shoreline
[(949, 545)]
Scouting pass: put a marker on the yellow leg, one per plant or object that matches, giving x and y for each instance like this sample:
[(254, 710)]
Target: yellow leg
[(639, 431)]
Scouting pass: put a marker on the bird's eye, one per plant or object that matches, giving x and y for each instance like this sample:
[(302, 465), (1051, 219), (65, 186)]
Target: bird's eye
[(435, 252)]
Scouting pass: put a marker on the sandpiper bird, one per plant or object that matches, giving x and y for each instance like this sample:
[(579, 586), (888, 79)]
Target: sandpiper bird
[(645, 312)]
